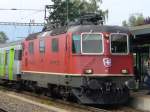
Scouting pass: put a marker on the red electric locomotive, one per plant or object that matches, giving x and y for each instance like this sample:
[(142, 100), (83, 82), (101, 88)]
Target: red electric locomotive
[(89, 62)]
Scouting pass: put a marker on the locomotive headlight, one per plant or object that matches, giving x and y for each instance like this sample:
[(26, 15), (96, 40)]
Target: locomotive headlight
[(124, 71), (107, 36), (88, 71)]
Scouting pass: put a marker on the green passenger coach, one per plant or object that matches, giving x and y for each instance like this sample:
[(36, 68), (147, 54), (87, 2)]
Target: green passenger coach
[(10, 60)]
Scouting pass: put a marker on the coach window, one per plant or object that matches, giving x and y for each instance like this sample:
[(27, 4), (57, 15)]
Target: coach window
[(1, 58), (76, 44), (42, 46), (55, 45), (7, 57), (31, 47)]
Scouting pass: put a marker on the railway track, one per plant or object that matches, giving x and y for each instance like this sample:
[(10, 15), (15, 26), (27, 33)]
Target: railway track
[(65, 104), (124, 109), (55, 102), (94, 108), (1, 110)]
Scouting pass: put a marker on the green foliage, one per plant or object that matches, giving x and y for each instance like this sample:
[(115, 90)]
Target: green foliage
[(3, 37), (69, 10), (124, 23), (140, 20), (134, 20)]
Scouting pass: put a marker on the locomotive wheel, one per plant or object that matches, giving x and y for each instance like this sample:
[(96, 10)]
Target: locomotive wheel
[(65, 98), (17, 86)]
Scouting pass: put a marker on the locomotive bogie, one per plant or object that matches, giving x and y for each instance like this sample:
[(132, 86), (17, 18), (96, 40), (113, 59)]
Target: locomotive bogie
[(86, 89)]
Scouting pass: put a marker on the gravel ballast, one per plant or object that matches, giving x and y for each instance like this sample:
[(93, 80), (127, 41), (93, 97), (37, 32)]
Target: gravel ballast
[(13, 103)]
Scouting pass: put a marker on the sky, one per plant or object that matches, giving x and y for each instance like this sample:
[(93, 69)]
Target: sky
[(22, 16), (119, 10), (18, 32)]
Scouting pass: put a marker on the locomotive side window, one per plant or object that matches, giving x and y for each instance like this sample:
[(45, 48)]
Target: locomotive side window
[(31, 47), (42, 46), (92, 43), (119, 43), (55, 45), (76, 44)]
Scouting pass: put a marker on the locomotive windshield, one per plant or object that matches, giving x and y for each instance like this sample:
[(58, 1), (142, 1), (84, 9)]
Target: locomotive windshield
[(91, 43), (119, 43)]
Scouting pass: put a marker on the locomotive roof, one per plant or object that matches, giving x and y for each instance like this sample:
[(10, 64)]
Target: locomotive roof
[(80, 29), (98, 28)]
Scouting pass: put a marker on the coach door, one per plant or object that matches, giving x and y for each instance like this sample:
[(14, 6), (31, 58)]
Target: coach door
[(17, 61), (2, 63), (9, 63)]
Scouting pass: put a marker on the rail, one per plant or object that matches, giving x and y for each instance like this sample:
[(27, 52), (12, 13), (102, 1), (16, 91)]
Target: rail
[(63, 104)]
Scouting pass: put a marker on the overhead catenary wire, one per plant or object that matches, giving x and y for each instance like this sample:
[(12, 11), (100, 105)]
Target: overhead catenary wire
[(34, 11), (16, 9), (67, 13), (25, 25), (21, 24)]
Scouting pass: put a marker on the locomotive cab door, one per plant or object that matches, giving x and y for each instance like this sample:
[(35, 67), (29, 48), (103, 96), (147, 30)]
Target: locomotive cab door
[(68, 53)]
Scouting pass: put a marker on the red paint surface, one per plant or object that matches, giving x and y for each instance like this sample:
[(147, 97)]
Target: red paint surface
[(66, 62)]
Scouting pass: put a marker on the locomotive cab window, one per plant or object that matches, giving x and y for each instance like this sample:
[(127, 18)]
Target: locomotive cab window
[(119, 43), (92, 43), (76, 44)]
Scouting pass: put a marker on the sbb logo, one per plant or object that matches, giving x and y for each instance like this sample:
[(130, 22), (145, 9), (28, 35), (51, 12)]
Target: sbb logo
[(107, 62)]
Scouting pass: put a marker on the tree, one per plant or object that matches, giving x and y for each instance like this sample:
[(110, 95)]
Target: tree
[(3, 37), (69, 10), (134, 20), (140, 20), (124, 23)]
